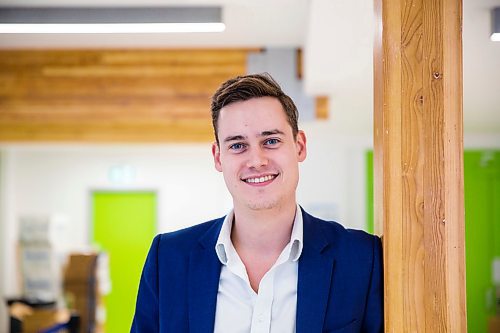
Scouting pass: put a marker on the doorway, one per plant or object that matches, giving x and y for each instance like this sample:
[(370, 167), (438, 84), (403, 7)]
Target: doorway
[(123, 226)]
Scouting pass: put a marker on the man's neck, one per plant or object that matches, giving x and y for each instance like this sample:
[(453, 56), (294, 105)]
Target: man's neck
[(266, 230), (259, 237)]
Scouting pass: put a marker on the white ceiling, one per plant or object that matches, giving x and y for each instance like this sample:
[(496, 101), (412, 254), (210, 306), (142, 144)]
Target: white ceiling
[(336, 36), (253, 23)]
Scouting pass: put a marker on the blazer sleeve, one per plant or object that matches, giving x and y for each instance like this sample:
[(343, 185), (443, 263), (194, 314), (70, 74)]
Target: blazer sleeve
[(374, 312), (146, 318)]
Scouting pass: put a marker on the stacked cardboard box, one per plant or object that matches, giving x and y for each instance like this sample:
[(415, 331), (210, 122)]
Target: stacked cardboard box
[(80, 288)]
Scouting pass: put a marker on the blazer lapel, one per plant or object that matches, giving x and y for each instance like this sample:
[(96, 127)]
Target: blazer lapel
[(204, 273), (314, 278)]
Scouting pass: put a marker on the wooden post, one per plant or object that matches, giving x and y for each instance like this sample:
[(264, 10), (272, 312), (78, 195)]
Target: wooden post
[(418, 163)]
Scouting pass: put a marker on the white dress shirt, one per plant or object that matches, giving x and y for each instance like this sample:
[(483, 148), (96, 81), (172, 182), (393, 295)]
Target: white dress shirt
[(273, 308)]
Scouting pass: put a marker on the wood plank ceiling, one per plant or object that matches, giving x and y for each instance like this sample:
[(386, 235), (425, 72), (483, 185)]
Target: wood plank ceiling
[(112, 95)]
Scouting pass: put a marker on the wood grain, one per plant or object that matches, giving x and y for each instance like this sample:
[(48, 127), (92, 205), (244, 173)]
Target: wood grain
[(418, 163), (116, 131), (453, 166), (80, 95)]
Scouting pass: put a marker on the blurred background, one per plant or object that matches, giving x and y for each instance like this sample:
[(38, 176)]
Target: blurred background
[(105, 141)]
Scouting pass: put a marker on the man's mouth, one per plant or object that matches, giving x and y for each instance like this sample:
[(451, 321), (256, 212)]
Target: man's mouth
[(259, 180)]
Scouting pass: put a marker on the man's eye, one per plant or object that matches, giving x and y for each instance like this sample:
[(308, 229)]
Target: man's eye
[(271, 142), (236, 146)]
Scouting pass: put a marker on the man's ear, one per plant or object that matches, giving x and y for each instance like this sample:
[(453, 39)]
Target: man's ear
[(301, 146), (216, 155)]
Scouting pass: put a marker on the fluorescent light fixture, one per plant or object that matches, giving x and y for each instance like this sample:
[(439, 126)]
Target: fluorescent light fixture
[(109, 28), (495, 36), (111, 20)]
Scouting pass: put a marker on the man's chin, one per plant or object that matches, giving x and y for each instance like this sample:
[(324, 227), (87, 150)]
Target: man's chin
[(262, 205)]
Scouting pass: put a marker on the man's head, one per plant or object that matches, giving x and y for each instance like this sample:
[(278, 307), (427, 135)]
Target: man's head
[(258, 146), (243, 88)]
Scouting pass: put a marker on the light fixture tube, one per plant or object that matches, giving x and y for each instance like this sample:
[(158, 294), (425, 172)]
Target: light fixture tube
[(109, 28)]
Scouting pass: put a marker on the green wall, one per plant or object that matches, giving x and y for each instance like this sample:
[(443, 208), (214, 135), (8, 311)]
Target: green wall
[(482, 229), (124, 224), (482, 234)]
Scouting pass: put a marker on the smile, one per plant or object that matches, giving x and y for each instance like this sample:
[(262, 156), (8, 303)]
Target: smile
[(258, 180)]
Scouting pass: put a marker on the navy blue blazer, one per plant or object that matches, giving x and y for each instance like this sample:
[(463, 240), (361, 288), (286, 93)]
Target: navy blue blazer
[(339, 281)]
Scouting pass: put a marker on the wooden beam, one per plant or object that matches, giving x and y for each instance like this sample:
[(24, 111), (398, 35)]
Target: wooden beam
[(418, 163)]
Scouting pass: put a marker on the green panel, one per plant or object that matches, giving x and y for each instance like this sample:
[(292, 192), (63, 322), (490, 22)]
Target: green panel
[(495, 203), (476, 240), (124, 225)]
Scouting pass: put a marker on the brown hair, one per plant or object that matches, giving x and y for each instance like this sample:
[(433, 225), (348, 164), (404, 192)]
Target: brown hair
[(242, 88)]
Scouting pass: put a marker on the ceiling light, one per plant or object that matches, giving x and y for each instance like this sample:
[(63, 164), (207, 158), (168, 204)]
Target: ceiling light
[(110, 20), (495, 36)]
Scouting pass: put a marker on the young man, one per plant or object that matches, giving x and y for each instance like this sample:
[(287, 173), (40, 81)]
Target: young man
[(267, 266)]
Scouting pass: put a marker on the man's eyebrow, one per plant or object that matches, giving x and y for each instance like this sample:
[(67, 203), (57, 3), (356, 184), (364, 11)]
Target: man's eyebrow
[(234, 138), (272, 132), (263, 133)]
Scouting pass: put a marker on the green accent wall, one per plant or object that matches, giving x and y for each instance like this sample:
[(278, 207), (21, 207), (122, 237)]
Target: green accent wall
[(482, 229), (482, 234), (124, 224)]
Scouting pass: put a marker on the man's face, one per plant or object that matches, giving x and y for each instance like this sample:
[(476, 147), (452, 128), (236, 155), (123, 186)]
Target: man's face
[(258, 154)]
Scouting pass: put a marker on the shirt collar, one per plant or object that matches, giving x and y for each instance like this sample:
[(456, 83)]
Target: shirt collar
[(226, 251)]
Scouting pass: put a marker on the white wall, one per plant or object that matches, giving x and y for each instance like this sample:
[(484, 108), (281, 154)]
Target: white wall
[(3, 243), (59, 179), (333, 175)]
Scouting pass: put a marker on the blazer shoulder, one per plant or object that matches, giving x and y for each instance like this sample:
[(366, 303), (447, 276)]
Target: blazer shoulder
[(344, 238), (185, 239)]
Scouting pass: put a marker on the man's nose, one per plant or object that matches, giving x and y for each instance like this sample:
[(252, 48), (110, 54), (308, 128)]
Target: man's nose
[(257, 158)]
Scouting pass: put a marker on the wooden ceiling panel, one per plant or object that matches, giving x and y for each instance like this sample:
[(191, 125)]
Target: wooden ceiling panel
[(100, 109), (194, 70), (112, 95), (153, 131), (12, 85)]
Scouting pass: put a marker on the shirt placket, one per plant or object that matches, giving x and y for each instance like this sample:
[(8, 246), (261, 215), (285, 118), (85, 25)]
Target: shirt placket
[(261, 318), (262, 311)]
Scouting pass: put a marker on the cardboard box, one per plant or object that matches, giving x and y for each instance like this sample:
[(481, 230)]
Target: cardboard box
[(80, 288), (494, 324), (44, 318), (81, 268)]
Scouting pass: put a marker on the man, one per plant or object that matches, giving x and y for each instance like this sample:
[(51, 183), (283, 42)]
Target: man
[(267, 266)]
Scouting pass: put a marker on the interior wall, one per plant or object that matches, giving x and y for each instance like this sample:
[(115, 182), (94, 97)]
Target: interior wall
[(3, 245), (333, 178)]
